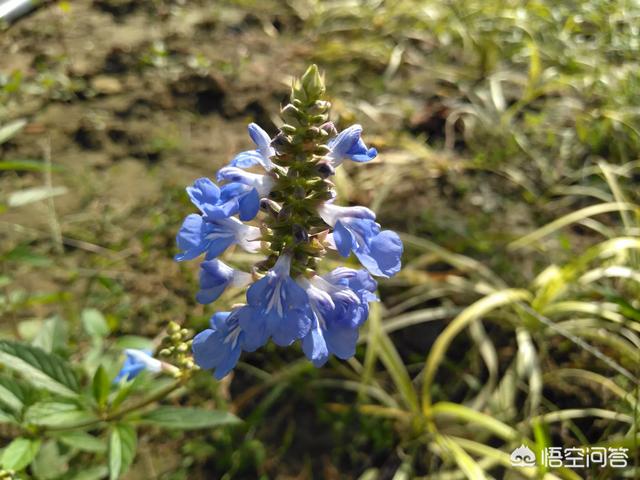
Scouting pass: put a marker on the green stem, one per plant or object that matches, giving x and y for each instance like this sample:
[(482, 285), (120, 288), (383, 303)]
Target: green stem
[(117, 415)]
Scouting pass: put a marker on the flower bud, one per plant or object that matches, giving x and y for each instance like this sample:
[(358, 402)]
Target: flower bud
[(300, 235), (330, 128), (269, 206), (312, 82)]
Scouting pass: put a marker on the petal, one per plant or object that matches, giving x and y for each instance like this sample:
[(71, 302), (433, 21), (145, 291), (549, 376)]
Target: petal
[(203, 192), (343, 239), (247, 159), (219, 320), (221, 210), (293, 326), (341, 341), (208, 349), (257, 292), (208, 295), (214, 273), (254, 327), (229, 361), (190, 238), (386, 249), (218, 244), (345, 140), (249, 205), (315, 347), (259, 136)]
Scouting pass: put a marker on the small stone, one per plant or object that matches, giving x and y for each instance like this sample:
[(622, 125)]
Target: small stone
[(106, 85)]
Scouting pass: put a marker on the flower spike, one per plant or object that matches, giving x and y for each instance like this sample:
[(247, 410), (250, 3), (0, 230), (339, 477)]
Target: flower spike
[(289, 195)]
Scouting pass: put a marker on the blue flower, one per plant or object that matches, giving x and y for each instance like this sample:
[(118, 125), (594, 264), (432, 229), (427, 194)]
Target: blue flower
[(262, 183), (259, 156), (135, 362), (355, 230), (218, 348), (348, 145), (215, 277), (280, 308), (219, 203), (339, 301), (361, 283), (197, 236)]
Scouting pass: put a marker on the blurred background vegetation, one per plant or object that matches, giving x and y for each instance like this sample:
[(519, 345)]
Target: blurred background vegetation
[(509, 140)]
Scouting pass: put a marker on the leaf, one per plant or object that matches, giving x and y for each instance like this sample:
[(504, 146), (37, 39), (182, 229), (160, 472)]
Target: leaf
[(468, 465), (122, 450), (40, 368), (19, 454), (92, 473), (32, 195), (57, 414), (50, 464), (52, 335), (12, 394), (82, 441), (10, 129), (570, 218), (472, 312), (100, 386), (6, 417), (94, 323), (26, 166), (188, 418)]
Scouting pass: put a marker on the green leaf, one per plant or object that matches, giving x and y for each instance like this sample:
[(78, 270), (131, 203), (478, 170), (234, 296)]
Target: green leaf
[(100, 386), (92, 473), (19, 454), (34, 194), (26, 166), (57, 414), (94, 323), (11, 129), (49, 464), (52, 335), (12, 394), (6, 417), (466, 464), (82, 441), (188, 418), (40, 368), (122, 450)]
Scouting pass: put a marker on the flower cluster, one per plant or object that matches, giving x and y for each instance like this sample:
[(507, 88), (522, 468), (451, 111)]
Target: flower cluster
[(287, 300)]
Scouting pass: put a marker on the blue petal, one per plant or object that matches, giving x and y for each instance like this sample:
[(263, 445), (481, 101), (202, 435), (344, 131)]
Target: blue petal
[(259, 136), (341, 341), (386, 249), (221, 211), (293, 326), (247, 159), (254, 325), (343, 239), (203, 192), (208, 349), (228, 363), (315, 348), (218, 245), (190, 238), (249, 205), (345, 140), (219, 320)]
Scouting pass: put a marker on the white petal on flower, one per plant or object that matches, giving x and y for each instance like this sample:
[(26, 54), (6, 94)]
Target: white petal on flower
[(241, 279), (331, 213), (150, 363)]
